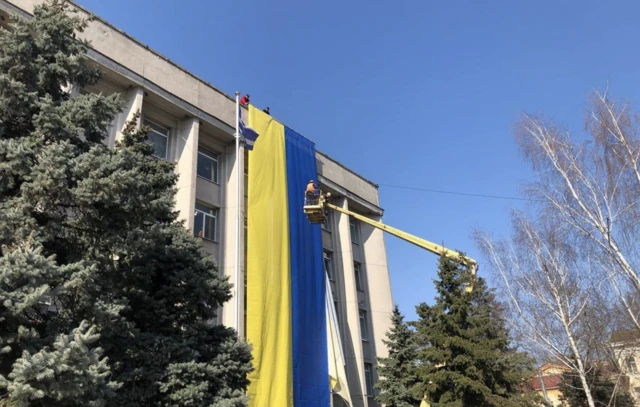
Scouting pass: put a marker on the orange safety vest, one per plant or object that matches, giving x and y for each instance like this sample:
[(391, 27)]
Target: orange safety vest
[(310, 188)]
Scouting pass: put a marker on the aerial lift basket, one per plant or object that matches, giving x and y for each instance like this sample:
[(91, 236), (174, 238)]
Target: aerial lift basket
[(315, 209)]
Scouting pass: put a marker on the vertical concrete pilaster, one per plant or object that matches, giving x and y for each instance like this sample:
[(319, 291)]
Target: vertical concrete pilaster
[(353, 351), (378, 285), (186, 159), (133, 98), (232, 166)]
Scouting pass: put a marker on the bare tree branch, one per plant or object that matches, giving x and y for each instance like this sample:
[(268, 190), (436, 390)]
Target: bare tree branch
[(549, 296)]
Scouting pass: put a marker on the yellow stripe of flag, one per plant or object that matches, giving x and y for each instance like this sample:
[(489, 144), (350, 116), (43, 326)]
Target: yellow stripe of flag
[(268, 267)]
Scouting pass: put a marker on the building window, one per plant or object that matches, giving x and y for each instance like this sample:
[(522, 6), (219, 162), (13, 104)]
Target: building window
[(327, 264), (363, 325), (357, 268), (206, 222), (158, 137), (208, 165), (327, 224), (353, 228), (368, 377), (631, 365)]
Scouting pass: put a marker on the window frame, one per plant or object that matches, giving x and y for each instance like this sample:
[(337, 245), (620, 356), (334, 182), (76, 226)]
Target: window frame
[(353, 230), (368, 379), (146, 120), (328, 255), (327, 223), (357, 271), (364, 326), (215, 157), (215, 215)]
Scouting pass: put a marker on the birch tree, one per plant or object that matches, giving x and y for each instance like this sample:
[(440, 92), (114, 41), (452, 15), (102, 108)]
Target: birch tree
[(592, 185), (547, 292)]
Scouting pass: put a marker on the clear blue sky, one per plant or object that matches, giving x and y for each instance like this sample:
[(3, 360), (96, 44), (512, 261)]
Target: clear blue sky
[(413, 93)]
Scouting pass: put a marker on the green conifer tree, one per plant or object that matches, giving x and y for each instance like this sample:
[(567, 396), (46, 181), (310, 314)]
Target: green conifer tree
[(397, 371), (464, 353), (603, 389), (105, 298)]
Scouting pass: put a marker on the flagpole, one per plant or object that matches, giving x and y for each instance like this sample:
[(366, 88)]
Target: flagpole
[(237, 260)]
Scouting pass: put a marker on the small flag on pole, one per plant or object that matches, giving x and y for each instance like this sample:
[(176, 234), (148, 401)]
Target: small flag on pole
[(250, 135)]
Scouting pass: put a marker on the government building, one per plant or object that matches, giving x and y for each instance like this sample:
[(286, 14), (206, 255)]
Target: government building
[(193, 124)]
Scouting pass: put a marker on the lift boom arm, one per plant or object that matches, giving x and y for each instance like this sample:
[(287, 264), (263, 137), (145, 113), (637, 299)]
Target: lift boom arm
[(315, 210), (425, 244)]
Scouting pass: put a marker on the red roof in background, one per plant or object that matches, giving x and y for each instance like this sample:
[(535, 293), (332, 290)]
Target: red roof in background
[(550, 382)]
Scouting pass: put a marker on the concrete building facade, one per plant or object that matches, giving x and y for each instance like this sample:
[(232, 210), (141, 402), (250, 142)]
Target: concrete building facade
[(626, 346), (193, 125)]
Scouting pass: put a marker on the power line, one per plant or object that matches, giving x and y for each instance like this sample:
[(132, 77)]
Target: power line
[(511, 198)]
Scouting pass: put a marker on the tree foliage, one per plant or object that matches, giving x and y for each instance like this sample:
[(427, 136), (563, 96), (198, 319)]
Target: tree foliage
[(397, 371), (465, 358), (105, 298)]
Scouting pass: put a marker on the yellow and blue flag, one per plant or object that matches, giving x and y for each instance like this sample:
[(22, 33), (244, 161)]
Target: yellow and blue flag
[(286, 314)]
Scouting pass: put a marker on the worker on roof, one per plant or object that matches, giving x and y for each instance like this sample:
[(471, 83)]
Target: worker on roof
[(244, 100)]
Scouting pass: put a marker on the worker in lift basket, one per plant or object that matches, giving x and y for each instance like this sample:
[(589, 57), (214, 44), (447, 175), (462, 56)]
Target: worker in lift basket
[(310, 192), (325, 198)]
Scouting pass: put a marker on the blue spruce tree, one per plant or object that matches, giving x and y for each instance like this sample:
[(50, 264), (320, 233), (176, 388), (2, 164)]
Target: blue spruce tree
[(397, 371), (105, 298)]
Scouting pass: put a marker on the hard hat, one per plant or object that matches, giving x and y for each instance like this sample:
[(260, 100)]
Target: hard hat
[(311, 181)]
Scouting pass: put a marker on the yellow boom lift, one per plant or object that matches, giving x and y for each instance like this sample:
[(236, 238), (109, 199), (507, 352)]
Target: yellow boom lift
[(316, 208)]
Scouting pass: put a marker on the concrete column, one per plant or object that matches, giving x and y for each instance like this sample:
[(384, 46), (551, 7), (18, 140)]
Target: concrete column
[(378, 284), (352, 337), (133, 99), (228, 256), (186, 159)]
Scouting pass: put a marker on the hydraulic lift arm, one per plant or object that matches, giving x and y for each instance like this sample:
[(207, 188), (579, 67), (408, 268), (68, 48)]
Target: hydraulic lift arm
[(315, 208), (434, 248)]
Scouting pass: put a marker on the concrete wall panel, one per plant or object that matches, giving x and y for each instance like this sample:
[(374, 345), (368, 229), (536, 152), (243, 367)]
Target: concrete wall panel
[(208, 192), (344, 177)]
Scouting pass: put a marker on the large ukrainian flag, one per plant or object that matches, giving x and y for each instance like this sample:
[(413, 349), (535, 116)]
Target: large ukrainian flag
[(286, 313)]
